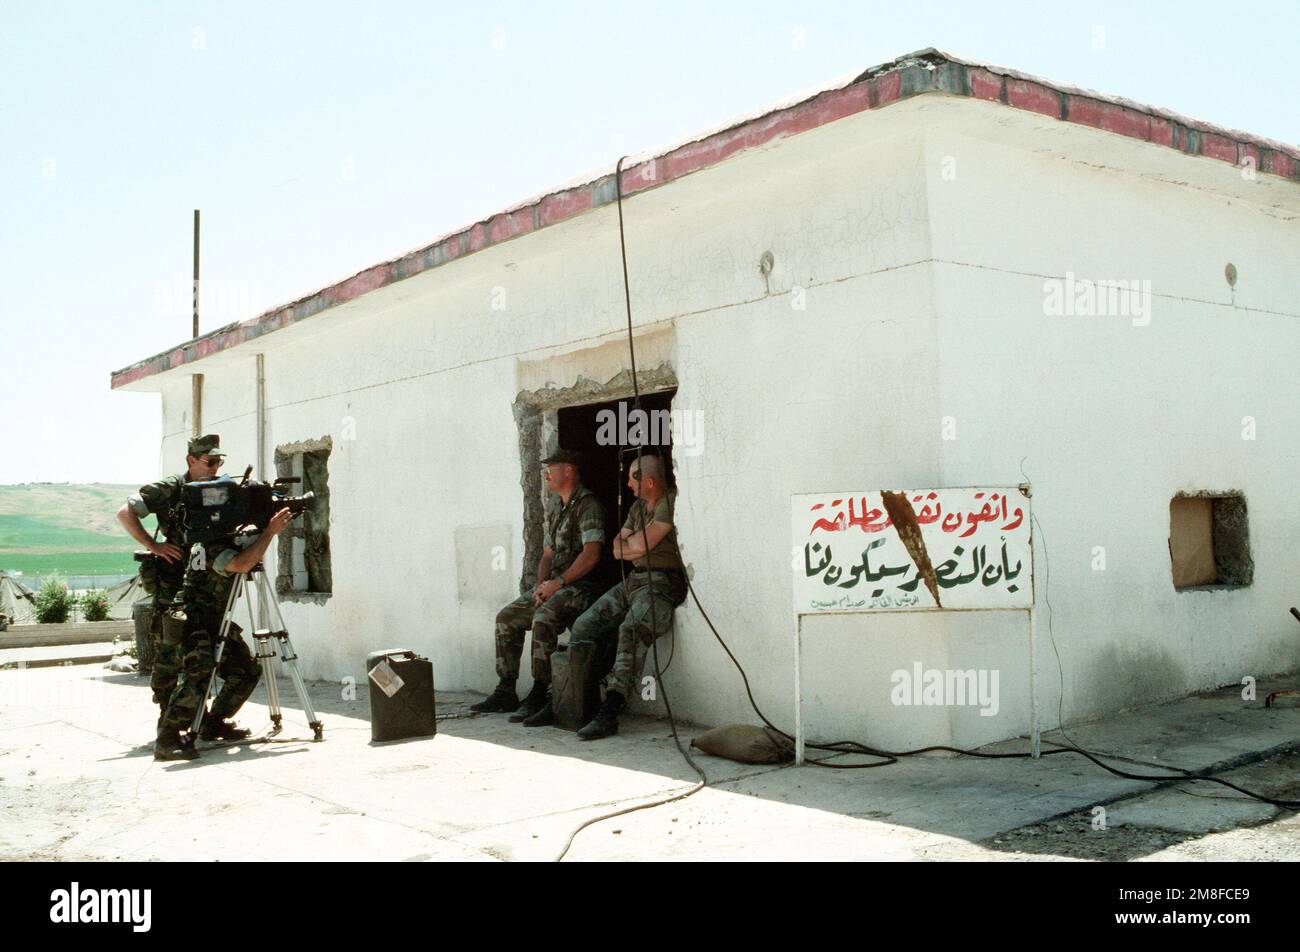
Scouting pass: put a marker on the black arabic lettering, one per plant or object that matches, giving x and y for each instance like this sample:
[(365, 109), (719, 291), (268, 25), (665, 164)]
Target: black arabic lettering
[(809, 570)]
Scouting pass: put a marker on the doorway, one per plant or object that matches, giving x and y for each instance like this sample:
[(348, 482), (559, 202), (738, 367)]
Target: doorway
[(608, 436)]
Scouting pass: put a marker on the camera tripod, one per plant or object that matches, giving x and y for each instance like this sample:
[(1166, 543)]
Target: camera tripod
[(268, 610)]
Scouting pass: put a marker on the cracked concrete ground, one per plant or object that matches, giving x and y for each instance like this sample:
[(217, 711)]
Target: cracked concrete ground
[(76, 784)]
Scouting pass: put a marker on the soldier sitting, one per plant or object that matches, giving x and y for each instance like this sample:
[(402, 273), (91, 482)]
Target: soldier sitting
[(571, 546), (639, 609)]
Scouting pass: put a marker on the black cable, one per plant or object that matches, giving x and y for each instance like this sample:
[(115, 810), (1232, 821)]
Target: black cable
[(1181, 774), (839, 748), (892, 757), (659, 452), (645, 542), (888, 757)]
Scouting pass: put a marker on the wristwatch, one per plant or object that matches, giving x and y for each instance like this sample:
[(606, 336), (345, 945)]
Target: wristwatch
[(560, 578)]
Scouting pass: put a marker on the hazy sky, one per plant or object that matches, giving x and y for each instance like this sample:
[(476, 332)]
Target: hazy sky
[(319, 138)]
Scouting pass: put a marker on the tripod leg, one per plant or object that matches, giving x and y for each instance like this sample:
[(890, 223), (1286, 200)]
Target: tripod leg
[(235, 590), (291, 662), (264, 625), (290, 659), (266, 658), (265, 652)]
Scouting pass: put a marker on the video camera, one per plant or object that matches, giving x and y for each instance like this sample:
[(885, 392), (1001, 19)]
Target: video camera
[(218, 508)]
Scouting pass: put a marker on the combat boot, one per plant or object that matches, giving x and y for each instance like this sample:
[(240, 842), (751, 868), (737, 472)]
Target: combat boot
[(499, 701), (544, 717), (169, 746), (605, 723), (217, 728), (535, 701)]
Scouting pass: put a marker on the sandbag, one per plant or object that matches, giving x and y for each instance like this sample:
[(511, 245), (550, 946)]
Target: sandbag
[(746, 743)]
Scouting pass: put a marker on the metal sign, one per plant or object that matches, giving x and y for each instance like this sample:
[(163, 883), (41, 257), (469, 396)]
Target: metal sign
[(965, 549), (918, 549)]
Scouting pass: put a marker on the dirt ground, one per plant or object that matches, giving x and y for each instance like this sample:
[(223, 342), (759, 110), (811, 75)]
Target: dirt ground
[(1167, 825)]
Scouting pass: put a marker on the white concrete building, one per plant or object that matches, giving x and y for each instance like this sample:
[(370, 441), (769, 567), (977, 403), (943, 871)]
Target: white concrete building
[(933, 226)]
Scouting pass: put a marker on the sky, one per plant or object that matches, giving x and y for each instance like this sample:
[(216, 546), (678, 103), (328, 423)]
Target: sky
[(320, 138)]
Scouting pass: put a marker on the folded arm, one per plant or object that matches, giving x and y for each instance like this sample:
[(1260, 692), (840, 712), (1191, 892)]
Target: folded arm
[(634, 543)]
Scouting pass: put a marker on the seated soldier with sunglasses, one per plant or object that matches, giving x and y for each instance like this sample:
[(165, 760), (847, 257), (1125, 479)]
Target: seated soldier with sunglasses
[(639, 609)]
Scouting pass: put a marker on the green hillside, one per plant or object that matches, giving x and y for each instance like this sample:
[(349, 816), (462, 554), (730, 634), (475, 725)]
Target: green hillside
[(67, 528)]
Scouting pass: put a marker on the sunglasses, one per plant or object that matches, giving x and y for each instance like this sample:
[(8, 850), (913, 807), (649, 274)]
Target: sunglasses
[(211, 460)]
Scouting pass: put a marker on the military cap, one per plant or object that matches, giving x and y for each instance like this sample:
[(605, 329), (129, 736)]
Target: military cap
[(206, 446), (564, 456)]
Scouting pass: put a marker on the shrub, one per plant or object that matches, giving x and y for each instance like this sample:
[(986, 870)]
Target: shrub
[(94, 605), (53, 602)]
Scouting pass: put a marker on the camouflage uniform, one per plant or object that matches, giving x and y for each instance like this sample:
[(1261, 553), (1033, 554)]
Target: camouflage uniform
[(639, 609), (200, 608), (162, 499), (568, 529)]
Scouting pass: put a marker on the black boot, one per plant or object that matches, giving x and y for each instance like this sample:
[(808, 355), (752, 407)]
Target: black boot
[(544, 717), (169, 746), (605, 723), (535, 701), (502, 699), (218, 728)]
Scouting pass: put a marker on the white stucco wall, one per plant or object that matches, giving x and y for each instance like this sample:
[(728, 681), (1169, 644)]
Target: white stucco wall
[(1115, 417), (922, 298)]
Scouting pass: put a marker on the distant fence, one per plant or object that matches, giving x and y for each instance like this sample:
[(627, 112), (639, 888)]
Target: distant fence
[(86, 633), (77, 583)]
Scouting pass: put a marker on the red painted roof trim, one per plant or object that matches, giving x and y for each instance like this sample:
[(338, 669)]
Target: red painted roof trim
[(927, 71)]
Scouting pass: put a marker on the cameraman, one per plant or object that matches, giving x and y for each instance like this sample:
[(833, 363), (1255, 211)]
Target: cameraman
[(163, 574), (195, 623)]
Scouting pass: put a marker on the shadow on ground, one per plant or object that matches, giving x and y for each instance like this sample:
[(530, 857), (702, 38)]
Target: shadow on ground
[(1016, 808)]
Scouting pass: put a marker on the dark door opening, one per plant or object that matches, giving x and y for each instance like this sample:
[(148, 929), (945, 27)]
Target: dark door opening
[(607, 435)]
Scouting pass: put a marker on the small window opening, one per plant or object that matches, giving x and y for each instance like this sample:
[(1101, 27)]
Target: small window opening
[(303, 566), (1209, 541)]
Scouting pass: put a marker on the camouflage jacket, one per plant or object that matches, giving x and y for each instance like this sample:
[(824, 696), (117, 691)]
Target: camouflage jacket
[(665, 555), (570, 527), (163, 499), (207, 581)]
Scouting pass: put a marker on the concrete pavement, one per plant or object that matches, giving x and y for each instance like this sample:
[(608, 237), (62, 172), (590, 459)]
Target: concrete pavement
[(76, 783)]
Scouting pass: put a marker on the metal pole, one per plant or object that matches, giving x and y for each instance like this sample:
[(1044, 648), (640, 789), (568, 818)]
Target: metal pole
[(196, 382), (1035, 740), (261, 417), (196, 273), (196, 416), (798, 688)]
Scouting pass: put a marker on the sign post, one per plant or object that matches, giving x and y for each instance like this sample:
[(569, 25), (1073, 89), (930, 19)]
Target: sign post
[(957, 549)]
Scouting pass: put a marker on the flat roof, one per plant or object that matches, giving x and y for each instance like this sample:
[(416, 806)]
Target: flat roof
[(925, 71)]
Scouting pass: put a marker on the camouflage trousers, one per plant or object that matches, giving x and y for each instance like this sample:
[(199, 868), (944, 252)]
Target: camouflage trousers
[(638, 610), (238, 671), (546, 620), (166, 657)]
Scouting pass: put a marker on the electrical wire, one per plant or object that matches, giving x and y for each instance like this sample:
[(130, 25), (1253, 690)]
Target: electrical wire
[(645, 520), (1181, 775), (645, 541), (884, 758)]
